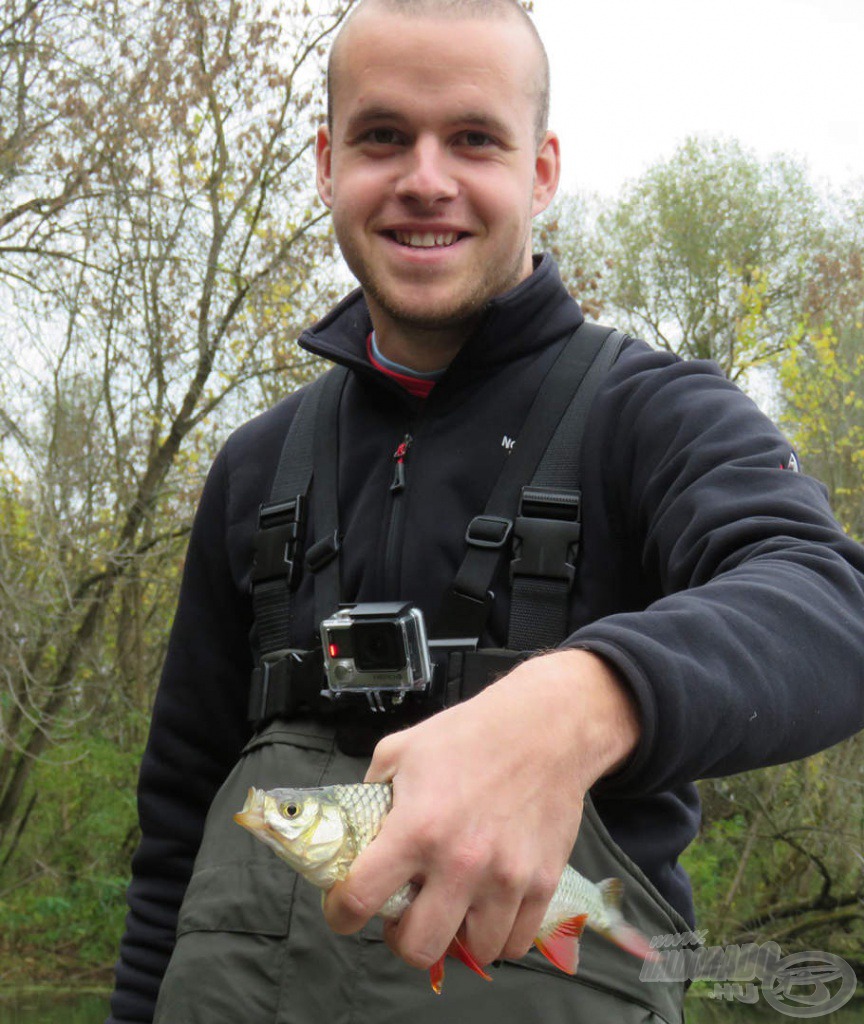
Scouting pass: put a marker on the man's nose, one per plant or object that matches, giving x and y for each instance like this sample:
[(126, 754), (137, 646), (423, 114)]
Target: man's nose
[(428, 175)]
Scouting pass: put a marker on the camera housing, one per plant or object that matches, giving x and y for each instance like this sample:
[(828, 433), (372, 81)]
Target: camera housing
[(376, 647)]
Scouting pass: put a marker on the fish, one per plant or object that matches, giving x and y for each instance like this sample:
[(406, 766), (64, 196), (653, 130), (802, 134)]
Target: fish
[(319, 833)]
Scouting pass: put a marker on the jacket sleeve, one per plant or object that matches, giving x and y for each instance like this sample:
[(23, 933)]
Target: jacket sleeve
[(197, 732), (747, 650)]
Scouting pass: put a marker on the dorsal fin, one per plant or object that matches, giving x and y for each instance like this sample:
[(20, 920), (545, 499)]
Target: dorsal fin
[(612, 891)]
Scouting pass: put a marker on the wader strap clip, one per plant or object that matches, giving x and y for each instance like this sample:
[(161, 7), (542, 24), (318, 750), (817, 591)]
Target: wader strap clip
[(285, 682), (280, 527), (547, 534)]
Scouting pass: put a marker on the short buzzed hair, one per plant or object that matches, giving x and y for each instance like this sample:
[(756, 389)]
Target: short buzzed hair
[(454, 9)]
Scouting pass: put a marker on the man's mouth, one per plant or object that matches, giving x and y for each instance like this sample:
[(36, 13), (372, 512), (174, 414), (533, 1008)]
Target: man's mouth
[(426, 239)]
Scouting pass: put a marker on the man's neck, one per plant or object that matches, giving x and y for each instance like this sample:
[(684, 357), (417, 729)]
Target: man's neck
[(419, 348)]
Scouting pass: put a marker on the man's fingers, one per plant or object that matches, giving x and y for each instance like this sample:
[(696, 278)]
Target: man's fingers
[(488, 928), (378, 873), (427, 928), (526, 927)]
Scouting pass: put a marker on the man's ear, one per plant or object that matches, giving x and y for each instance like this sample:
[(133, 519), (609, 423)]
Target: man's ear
[(547, 172), (323, 176)]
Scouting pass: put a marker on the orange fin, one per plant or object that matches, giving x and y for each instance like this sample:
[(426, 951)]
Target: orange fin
[(458, 949), (561, 946), (461, 952), (436, 975)]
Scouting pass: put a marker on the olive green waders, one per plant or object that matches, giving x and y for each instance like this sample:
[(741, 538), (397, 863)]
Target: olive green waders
[(253, 946)]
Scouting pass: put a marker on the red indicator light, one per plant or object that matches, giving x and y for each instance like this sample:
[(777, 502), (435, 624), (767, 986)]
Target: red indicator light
[(334, 650)]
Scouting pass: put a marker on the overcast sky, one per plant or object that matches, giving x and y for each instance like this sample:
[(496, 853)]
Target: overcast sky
[(632, 78)]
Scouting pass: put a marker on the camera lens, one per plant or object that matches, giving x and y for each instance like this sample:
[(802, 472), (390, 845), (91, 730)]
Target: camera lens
[(378, 647)]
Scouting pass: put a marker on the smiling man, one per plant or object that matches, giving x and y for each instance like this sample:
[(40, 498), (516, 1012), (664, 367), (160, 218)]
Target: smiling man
[(602, 640), (434, 167)]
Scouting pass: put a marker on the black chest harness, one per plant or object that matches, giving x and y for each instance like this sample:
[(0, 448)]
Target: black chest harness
[(538, 524)]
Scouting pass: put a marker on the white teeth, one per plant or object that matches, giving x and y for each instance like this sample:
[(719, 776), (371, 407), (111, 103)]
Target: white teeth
[(425, 240)]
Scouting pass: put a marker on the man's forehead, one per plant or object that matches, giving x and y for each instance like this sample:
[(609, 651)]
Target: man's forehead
[(488, 55)]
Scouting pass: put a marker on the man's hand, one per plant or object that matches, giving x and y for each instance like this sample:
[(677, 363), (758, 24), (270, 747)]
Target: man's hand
[(487, 800)]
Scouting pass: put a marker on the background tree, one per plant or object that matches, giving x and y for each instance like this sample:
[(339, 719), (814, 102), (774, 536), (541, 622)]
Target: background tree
[(699, 239), (568, 231), (717, 255), (161, 246), (822, 380)]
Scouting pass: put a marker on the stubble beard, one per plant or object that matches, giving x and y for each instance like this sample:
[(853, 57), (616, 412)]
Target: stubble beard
[(446, 315)]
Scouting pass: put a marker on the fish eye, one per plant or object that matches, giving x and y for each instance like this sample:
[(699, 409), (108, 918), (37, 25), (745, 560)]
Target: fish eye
[(290, 809)]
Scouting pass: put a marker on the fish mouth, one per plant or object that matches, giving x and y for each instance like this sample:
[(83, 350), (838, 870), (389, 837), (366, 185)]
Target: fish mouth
[(251, 816)]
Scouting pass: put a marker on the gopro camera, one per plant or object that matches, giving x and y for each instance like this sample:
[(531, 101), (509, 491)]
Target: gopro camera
[(376, 648)]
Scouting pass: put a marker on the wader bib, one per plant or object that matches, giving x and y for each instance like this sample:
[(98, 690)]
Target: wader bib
[(252, 944)]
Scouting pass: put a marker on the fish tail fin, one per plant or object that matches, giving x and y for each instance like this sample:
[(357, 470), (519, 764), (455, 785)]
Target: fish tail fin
[(561, 945), (460, 951), (622, 934)]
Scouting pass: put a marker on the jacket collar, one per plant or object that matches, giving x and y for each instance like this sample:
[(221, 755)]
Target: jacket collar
[(534, 314)]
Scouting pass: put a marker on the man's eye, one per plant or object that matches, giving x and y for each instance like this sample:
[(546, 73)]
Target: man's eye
[(382, 136), (477, 140)]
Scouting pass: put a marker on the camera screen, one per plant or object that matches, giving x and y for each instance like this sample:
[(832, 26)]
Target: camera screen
[(378, 646)]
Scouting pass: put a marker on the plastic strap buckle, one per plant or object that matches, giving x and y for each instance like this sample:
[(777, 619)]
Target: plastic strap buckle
[(547, 533), (280, 526)]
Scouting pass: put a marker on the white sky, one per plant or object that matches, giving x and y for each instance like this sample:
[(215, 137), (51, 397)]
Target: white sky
[(632, 79)]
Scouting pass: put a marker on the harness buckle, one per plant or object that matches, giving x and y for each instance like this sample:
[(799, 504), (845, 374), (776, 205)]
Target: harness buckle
[(280, 527), (283, 682), (547, 533)]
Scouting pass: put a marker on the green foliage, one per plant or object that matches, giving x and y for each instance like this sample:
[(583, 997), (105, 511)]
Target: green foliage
[(779, 855), (711, 861), (65, 895), (823, 391)]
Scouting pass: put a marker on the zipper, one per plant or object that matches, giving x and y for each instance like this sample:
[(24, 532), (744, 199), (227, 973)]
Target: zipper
[(396, 526), (399, 456)]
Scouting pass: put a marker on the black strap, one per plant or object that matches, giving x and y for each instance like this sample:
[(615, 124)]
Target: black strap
[(282, 519), (548, 529), (322, 558), (555, 420)]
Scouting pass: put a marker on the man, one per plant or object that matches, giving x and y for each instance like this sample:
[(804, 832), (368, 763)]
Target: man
[(714, 625)]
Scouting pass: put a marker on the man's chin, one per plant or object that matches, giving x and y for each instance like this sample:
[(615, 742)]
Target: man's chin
[(429, 316)]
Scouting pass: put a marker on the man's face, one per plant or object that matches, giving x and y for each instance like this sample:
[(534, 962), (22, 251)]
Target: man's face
[(433, 171)]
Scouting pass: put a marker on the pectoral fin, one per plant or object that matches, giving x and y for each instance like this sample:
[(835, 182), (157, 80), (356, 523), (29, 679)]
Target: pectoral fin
[(461, 952)]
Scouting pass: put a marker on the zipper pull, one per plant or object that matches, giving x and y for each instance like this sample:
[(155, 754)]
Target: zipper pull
[(399, 455)]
